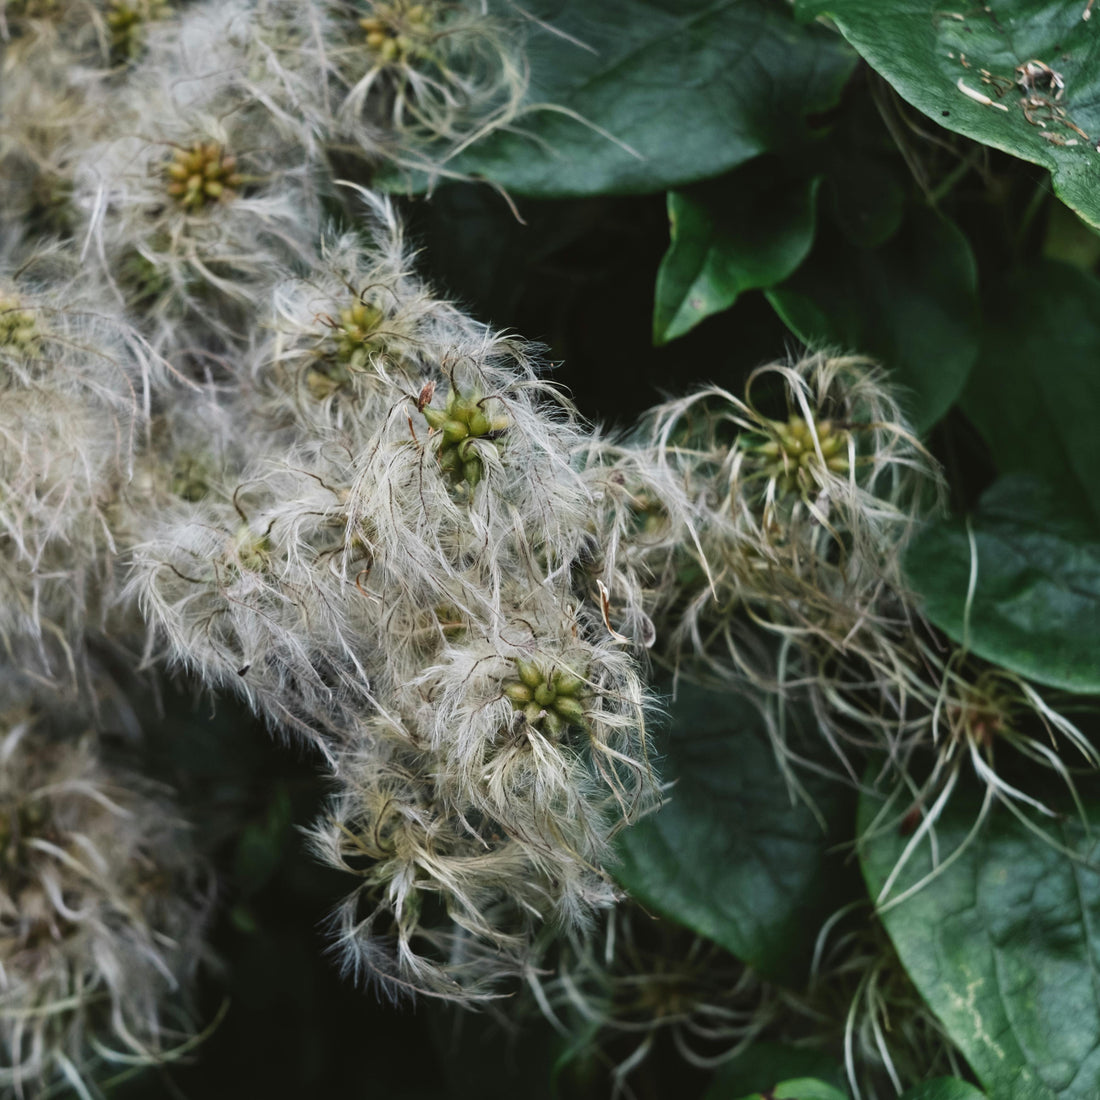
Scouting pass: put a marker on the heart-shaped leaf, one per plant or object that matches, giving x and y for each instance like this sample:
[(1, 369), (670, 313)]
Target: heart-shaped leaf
[(731, 856), (1004, 943), (1022, 76), (743, 231), (1035, 389), (1036, 584), (911, 303), (633, 97)]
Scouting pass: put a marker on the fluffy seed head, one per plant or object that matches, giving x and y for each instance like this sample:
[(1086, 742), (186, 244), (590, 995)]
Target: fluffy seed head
[(638, 978), (807, 491), (420, 81), (100, 911)]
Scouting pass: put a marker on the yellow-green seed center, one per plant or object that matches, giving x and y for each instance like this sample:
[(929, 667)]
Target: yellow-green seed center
[(253, 552), (355, 332), (551, 700), (18, 328), (398, 32), (202, 175), (353, 336), (792, 449), (126, 20), (464, 420)]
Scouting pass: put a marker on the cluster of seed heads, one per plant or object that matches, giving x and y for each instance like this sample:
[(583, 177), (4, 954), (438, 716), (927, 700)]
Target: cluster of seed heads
[(171, 485), (400, 599), (99, 915)]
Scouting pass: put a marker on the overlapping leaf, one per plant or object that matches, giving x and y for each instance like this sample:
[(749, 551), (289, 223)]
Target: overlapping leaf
[(943, 1088), (633, 97), (1035, 388), (1036, 584), (731, 856), (1004, 944), (761, 1065), (959, 66), (747, 230), (911, 303), (800, 1088)]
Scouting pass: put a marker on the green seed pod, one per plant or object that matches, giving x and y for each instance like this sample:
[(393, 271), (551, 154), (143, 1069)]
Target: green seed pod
[(533, 713), (544, 694), (571, 710), (529, 673), (567, 682), (520, 694), (554, 725), (479, 423), (435, 418), (471, 470), (454, 431), (464, 409)]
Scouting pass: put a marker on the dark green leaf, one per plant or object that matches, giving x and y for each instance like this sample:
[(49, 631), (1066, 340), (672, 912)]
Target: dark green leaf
[(911, 303), (944, 1088), (925, 49), (737, 233), (730, 856), (758, 1068), (1003, 944), (1071, 240), (1036, 605), (262, 844), (801, 1088), (866, 197), (668, 93), (1035, 390)]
